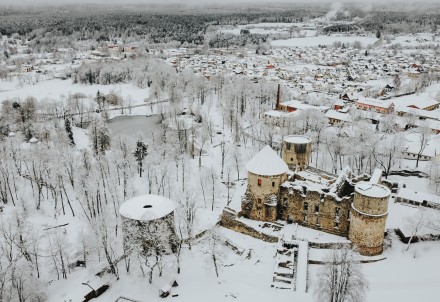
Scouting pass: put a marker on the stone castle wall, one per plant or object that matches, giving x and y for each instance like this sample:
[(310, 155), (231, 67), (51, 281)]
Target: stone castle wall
[(229, 220), (291, 207)]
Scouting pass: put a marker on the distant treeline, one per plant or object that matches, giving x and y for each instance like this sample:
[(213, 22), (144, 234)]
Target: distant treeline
[(156, 26), (395, 22), (228, 39), (48, 27)]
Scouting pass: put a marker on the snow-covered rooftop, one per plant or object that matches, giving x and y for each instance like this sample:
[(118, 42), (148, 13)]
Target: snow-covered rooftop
[(267, 162), (435, 115), (279, 113), (376, 102), (337, 115), (420, 102), (372, 190), (147, 207), (297, 139)]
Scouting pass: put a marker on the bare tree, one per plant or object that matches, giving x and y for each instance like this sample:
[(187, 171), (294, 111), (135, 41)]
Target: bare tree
[(423, 139), (415, 224), (214, 250), (341, 279), (188, 209), (213, 177), (387, 151), (434, 176)]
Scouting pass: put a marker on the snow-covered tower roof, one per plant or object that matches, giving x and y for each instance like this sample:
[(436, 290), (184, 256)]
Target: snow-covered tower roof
[(267, 162), (147, 207)]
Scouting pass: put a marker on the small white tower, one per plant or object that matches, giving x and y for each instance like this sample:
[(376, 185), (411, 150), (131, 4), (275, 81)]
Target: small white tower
[(149, 220)]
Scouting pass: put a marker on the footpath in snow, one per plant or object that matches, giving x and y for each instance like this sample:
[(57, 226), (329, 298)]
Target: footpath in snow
[(292, 261), (301, 278)]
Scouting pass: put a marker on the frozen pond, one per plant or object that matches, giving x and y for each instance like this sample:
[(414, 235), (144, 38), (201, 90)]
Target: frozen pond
[(134, 125)]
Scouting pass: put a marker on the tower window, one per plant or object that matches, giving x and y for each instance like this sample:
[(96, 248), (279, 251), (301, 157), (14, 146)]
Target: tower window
[(306, 207), (273, 184), (317, 208), (337, 212), (291, 159), (259, 201), (260, 182), (336, 224)]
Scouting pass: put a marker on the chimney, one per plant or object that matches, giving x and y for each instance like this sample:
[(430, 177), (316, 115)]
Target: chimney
[(278, 98)]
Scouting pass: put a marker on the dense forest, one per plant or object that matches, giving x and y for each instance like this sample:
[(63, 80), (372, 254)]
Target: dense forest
[(156, 26), (60, 26)]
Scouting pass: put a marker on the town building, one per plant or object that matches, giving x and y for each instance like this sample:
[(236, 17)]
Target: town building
[(379, 106)]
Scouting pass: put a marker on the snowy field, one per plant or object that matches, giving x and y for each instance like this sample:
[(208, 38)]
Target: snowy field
[(269, 31), (423, 39), (322, 40), (304, 35), (57, 89), (273, 28)]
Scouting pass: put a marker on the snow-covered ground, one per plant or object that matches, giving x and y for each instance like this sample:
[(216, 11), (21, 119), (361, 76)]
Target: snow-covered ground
[(402, 276), (422, 39), (273, 28), (57, 89), (322, 40)]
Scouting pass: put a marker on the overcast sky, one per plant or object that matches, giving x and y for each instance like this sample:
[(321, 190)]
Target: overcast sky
[(22, 2)]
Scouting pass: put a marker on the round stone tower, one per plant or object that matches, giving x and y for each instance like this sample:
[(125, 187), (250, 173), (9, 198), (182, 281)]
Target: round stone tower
[(296, 151), (369, 212), (266, 172), (148, 221)]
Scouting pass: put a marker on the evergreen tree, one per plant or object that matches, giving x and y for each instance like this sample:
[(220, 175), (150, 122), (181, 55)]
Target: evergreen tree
[(378, 34), (69, 132), (100, 99), (140, 154)]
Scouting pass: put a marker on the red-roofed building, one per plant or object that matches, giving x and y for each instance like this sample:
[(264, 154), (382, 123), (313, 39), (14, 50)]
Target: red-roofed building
[(379, 106)]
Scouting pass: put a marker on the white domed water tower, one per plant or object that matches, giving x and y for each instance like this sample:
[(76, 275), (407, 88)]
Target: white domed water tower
[(148, 220)]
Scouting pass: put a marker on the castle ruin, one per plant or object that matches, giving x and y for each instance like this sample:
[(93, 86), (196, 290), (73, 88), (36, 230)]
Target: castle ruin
[(288, 189)]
